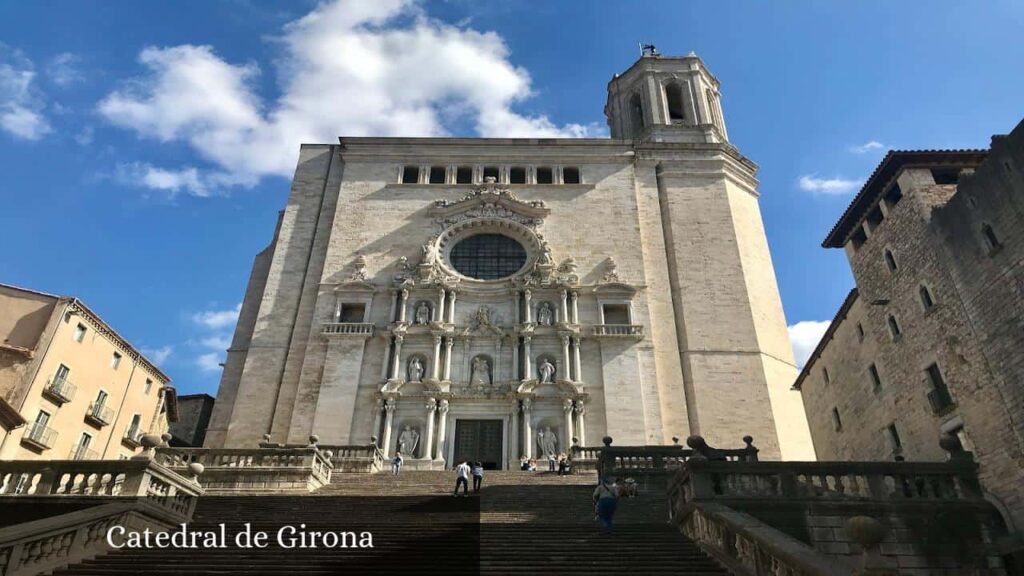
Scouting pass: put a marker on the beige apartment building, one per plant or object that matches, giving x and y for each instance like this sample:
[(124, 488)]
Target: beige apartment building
[(71, 388)]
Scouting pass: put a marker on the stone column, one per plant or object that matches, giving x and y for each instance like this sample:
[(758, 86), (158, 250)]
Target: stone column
[(428, 439), (449, 342), (515, 360), (451, 307), (527, 365), (337, 309), (435, 368), (513, 436), (516, 305), (442, 428), (566, 362), (396, 363), (527, 428), (565, 306), (567, 407), (439, 316), (576, 365), (378, 406), (394, 300), (581, 428), (575, 307), (527, 296), (496, 374), (389, 408), (403, 304)]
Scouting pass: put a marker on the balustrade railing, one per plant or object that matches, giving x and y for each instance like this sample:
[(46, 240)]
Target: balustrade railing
[(348, 328), (132, 437), (621, 330), (241, 469), (654, 459), (60, 389), (99, 414), (40, 435), (79, 453)]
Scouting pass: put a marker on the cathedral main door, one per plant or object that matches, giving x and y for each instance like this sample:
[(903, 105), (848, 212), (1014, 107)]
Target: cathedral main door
[(479, 441)]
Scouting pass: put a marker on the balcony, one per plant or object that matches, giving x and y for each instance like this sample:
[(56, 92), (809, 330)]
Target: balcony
[(40, 436), (99, 415), (619, 331), (60, 390), (132, 438), (80, 453), (358, 329)]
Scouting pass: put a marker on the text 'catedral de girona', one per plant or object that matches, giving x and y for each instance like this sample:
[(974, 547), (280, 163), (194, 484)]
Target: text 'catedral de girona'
[(496, 299)]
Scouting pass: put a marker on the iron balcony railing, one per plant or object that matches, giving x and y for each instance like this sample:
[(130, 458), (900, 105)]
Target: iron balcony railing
[(60, 389), (41, 435), (99, 414), (133, 437), (80, 453)]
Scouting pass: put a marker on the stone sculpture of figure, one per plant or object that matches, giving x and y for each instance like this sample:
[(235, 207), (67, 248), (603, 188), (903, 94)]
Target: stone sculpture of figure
[(408, 441), (546, 370), (429, 253), (547, 443), (415, 369), (545, 316), (423, 313), (481, 375)]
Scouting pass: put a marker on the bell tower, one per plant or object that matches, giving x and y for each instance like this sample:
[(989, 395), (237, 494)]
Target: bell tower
[(666, 99)]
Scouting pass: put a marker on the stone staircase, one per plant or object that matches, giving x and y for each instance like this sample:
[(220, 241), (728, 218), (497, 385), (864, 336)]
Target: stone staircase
[(521, 522)]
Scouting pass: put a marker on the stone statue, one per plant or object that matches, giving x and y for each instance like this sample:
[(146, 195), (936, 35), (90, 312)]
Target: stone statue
[(481, 375), (546, 370), (429, 253), (408, 441), (545, 316), (415, 369), (423, 313), (547, 443)]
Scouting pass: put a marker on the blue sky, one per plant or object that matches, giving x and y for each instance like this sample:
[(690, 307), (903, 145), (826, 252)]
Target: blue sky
[(145, 146)]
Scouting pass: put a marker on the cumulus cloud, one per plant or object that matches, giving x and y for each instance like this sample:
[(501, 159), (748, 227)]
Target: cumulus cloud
[(867, 147), (63, 69), (805, 336), (217, 326), (21, 102), (170, 182), (349, 67), (827, 186), (209, 362), (217, 319), (158, 355)]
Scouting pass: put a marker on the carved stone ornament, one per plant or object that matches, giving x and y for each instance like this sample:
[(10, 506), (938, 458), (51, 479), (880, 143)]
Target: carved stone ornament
[(611, 271), (359, 269)]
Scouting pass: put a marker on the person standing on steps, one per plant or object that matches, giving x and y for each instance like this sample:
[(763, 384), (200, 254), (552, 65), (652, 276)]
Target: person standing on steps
[(462, 478), (606, 500), (396, 463), (478, 475), (563, 465)]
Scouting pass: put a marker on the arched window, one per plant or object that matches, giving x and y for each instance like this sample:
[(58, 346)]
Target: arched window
[(636, 113), (890, 260), (674, 98)]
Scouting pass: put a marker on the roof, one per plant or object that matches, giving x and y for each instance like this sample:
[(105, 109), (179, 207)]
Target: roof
[(890, 166), (832, 327)]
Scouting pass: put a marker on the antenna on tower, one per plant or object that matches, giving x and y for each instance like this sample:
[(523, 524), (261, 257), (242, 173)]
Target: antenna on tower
[(648, 50)]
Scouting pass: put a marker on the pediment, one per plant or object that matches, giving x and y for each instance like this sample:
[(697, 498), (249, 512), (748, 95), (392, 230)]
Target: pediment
[(355, 286), (491, 200)]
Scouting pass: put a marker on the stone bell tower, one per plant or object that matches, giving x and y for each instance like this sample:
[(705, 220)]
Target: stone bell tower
[(666, 99)]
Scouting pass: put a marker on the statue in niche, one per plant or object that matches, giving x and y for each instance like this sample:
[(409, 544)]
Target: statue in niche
[(423, 313), (415, 369), (545, 315), (481, 372), (546, 371), (408, 441), (547, 443), (402, 268)]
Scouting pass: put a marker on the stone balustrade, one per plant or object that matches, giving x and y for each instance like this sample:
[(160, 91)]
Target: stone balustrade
[(619, 331), (254, 469), (634, 460), (348, 329)]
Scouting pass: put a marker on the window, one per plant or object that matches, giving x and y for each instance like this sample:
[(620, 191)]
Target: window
[(894, 438), (946, 175), (80, 332), (464, 175), (890, 260), (488, 256), (894, 327), (491, 172), (859, 237), (437, 174), (636, 114), (351, 312), (545, 175), (926, 297), (616, 314), (133, 428), (115, 360), (674, 97), (42, 419), (62, 374), (825, 376), (517, 175), (894, 195), (876, 378), (570, 175), (939, 396), (81, 451), (837, 422), (875, 217), (860, 332), (148, 387), (410, 174), (991, 240), (101, 399)]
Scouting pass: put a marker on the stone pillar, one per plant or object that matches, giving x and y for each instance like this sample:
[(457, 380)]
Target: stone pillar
[(527, 296), (449, 342), (577, 374), (378, 406), (527, 428), (581, 427), (435, 368), (565, 306), (516, 305), (394, 300), (440, 306), (575, 307), (567, 407), (566, 361), (428, 439), (403, 305), (496, 373), (385, 365), (389, 408), (451, 307), (442, 428), (337, 309), (515, 360), (396, 363), (527, 365), (513, 436)]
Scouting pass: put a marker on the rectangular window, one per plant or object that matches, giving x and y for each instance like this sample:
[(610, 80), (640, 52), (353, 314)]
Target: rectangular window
[(860, 332), (43, 418), (894, 438), (352, 312), (437, 174), (80, 332), (464, 175), (946, 175), (491, 172), (859, 237), (616, 314), (837, 422), (517, 175), (133, 428), (545, 175), (410, 174), (875, 217), (570, 175), (81, 450), (894, 327), (926, 298), (825, 376), (62, 374), (149, 386), (115, 360), (939, 396), (101, 399), (894, 195), (876, 379)]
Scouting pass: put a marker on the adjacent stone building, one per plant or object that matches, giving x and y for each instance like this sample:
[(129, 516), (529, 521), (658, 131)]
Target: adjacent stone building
[(71, 388), (502, 298), (194, 411), (931, 340)]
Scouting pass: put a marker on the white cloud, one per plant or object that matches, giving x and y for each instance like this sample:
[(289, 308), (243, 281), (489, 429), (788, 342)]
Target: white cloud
[(805, 336), (209, 362), (170, 181), (219, 342), (158, 355), (84, 137), (21, 102), (63, 69), (349, 67), (217, 319), (828, 186), (867, 147)]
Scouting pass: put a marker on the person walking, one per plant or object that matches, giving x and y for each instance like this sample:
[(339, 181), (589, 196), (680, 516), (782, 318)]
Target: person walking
[(396, 463), (606, 500), (478, 475), (563, 465), (462, 478)]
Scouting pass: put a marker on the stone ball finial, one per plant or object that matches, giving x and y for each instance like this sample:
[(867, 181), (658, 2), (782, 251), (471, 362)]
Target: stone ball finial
[(748, 440), (675, 440), (575, 441), (149, 441), (266, 438), (607, 440), (950, 443), (165, 439), (329, 454), (373, 440), (195, 468), (313, 439), (696, 442), (866, 531)]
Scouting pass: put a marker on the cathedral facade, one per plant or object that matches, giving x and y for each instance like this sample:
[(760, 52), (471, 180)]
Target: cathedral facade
[(494, 299)]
